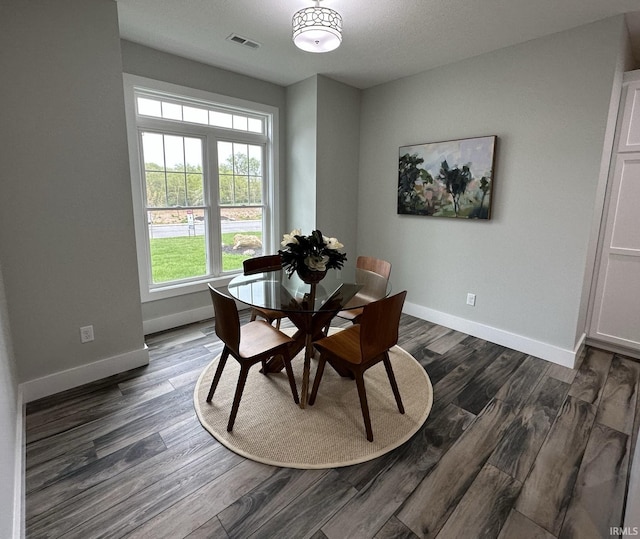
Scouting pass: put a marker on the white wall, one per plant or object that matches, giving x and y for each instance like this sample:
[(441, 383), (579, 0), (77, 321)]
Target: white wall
[(11, 429), (66, 220), (547, 101)]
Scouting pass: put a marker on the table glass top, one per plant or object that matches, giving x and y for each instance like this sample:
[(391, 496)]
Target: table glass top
[(347, 288)]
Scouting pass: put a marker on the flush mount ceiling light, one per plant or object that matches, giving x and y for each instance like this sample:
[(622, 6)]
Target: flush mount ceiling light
[(317, 29)]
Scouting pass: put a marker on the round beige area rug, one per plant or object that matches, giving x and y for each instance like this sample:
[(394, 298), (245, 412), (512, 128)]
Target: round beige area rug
[(272, 429)]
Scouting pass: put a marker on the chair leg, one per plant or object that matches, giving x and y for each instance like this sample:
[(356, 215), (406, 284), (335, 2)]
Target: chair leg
[(216, 378), (392, 380), (277, 323), (254, 314), (362, 393), (316, 381), (242, 380), (292, 381)]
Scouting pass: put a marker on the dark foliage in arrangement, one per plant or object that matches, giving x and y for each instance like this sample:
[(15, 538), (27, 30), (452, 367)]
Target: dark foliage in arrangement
[(314, 252)]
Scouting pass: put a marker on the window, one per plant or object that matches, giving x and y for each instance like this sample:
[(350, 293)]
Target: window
[(203, 175)]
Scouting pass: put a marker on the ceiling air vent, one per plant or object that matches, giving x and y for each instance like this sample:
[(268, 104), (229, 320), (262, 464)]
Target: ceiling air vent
[(235, 38)]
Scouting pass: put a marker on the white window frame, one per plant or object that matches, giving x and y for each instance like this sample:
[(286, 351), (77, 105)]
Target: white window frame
[(132, 83)]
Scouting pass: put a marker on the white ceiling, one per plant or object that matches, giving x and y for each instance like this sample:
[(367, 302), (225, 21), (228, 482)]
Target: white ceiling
[(383, 39)]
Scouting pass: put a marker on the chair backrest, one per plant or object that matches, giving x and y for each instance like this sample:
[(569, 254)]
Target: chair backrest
[(259, 264), (379, 325), (227, 321), (376, 265)]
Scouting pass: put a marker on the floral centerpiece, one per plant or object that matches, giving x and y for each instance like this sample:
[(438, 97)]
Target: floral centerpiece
[(310, 256)]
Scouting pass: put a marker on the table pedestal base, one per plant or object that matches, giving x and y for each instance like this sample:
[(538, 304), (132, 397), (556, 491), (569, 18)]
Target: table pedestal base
[(310, 328)]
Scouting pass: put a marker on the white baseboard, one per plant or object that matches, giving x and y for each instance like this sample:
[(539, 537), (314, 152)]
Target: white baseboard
[(19, 473), (70, 378), (174, 320), (549, 352), (543, 350)]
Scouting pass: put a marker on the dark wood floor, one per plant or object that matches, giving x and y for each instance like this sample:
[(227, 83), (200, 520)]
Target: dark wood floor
[(515, 447)]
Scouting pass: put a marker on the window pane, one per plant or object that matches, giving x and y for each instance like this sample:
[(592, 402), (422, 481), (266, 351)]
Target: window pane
[(194, 115), (220, 119), (225, 154), (241, 189), (176, 190), (193, 153), (153, 150), (156, 188), (255, 190), (226, 189), (240, 122), (256, 125), (240, 159), (149, 107), (174, 152), (173, 184), (241, 236), (177, 244), (171, 111), (240, 173), (195, 190), (255, 160)]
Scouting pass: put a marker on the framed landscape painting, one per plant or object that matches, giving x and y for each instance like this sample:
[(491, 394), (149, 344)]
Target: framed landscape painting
[(447, 179)]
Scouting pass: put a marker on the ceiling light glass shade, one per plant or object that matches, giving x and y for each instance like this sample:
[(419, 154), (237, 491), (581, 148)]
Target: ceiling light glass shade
[(317, 29)]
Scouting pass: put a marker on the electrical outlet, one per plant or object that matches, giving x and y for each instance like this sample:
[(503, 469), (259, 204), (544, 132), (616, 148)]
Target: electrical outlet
[(471, 299), (86, 334)]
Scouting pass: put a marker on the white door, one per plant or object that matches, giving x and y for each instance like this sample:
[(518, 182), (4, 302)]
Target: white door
[(616, 313)]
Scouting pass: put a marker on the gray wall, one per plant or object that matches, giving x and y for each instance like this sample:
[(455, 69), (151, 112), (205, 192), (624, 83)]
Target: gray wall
[(66, 226), (548, 102), (66, 221), (323, 141), (337, 162), (146, 62), (302, 141), (10, 461)]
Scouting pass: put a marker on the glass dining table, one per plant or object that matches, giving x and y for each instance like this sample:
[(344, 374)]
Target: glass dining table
[(310, 307)]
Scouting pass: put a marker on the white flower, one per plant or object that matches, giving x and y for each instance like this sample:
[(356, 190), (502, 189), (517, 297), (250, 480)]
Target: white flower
[(316, 263), (291, 237), (332, 243)]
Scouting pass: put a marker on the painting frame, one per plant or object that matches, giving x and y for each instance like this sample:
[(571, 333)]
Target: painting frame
[(451, 178)]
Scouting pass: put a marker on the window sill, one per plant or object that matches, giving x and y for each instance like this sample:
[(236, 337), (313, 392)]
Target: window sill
[(183, 289)]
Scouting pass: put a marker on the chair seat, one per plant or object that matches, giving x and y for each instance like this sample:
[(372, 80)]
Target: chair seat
[(259, 337), (344, 344), (350, 314), (270, 313)]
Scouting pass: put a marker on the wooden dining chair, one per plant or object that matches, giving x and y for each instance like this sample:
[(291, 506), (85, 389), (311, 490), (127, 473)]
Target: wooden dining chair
[(376, 265), (361, 346), (252, 343), (264, 264), (368, 263)]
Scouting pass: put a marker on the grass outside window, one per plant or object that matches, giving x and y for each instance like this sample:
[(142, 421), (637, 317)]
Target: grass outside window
[(184, 257)]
